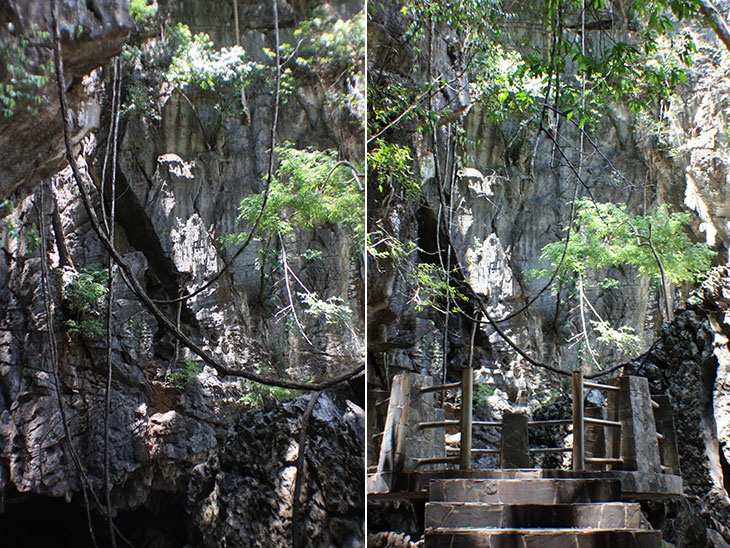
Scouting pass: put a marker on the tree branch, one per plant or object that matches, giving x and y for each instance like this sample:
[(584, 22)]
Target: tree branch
[(716, 20)]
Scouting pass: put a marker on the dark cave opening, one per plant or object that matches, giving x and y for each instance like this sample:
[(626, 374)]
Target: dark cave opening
[(725, 466), (434, 249), (37, 521)]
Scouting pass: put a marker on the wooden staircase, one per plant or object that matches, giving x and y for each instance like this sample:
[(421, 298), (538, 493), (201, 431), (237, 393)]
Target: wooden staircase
[(630, 455), (521, 509)]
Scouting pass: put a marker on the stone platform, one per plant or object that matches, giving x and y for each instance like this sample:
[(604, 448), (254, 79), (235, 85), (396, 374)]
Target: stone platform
[(542, 538), (606, 515), (526, 509), (634, 485)]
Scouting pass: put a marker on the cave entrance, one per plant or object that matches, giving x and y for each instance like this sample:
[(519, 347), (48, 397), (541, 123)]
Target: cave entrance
[(37, 521)]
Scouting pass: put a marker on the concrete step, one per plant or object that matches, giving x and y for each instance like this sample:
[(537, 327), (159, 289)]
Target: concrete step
[(526, 491), (605, 515), (541, 538)]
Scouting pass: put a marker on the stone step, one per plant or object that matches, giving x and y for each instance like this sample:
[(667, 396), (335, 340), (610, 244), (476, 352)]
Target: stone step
[(525, 491), (606, 515), (542, 538)]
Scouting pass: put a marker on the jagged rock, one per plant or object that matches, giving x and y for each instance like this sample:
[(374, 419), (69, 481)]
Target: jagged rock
[(391, 540), (690, 363), (254, 473), (175, 200)]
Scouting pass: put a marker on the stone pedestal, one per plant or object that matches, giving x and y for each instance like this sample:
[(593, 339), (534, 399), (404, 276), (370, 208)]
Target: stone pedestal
[(403, 441), (639, 445), (665, 426), (515, 441)]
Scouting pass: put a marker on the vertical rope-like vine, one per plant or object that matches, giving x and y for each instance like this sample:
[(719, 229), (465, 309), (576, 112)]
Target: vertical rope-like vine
[(299, 480), (116, 96), (53, 349)]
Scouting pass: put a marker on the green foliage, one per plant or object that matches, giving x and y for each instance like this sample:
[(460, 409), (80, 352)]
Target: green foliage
[(301, 196), (22, 77), (333, 311), (477, 20), (552, 395), (606, 235), (83, 296), (89, 328), (330, 52), (259, 394), (481, 393), (10, 228), (141, 10), (579, 78), (381, 245), (87, 288), (390, 165), (332, 45), (624, 338), (609, 284), (312, 255), (181, 378), (33, 238), (186, 61), (432, 287), (196, 62)]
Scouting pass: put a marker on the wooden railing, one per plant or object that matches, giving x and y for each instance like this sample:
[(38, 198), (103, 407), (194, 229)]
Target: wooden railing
[(633, 435), (579, 423)]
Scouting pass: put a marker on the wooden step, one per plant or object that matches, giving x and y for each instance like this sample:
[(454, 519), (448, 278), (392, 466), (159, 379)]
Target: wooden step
[(542, 538), (605, 515), (526, 491)]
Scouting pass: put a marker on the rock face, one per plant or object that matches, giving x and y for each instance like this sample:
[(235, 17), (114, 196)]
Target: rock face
[(176, 199), (510, 196), (236, 484), (93, 33), (690, 363)]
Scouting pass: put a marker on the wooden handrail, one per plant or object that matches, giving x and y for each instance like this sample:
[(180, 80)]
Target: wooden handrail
[(555, 422), (439, 387), (436, 460), (550, 449), (605, 460), (494, 424), (467, 385), (602, 422), (597, 386), (477, 451)]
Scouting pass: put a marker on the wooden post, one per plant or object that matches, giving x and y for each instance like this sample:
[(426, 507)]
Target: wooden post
[(579, 449), (467, 374)]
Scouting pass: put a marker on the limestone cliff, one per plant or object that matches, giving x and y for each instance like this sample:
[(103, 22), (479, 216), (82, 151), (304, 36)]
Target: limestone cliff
[(491, 210), (178, 192)]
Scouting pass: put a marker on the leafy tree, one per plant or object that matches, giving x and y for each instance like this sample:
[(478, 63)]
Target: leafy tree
[(141, 10), (311, 189), (197, 63), (390, 164), (22, 77), (84, 295), (181, 378), (606, 235)]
